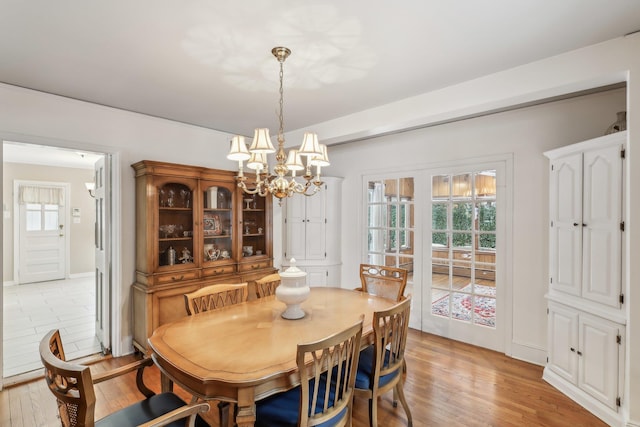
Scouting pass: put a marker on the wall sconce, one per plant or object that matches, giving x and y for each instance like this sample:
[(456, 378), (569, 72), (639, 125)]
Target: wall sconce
[(91, 187)]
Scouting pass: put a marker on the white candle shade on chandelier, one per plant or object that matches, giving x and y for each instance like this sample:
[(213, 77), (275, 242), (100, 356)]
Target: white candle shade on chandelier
[(278, 183)]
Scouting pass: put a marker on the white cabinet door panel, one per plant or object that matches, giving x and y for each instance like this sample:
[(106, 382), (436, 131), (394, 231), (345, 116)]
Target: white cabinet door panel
[(566, 229), (602, 213), (598, 362), (563, 343)]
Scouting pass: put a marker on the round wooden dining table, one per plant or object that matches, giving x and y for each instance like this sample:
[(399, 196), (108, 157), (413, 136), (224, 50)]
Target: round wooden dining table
[(245, 352)]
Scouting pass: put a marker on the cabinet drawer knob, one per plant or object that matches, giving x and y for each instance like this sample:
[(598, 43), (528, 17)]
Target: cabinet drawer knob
[(579, 353), (175, 279), (255, 266), (575, 224), (573, 349)]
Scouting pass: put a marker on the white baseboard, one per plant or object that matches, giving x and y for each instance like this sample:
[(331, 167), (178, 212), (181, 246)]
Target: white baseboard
[(527, 353), (610, 416), (80, 275)]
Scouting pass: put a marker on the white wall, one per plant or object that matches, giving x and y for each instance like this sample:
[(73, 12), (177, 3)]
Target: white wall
[(525, 134)]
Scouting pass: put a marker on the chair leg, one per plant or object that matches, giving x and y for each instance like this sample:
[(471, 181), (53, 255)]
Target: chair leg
[(400, 391), (373, 412)]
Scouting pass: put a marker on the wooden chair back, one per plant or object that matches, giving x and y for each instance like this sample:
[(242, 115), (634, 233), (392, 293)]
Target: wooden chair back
[(215, 296), (390, 328), (328, 368), (383, 281), (267, 285), (71, 384)]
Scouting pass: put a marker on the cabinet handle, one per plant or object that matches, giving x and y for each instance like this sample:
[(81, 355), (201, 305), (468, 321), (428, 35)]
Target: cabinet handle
[(573, 349), (584, 225), (174, 278), (575, 224), (579, 353), (218, 271), (255, 266)]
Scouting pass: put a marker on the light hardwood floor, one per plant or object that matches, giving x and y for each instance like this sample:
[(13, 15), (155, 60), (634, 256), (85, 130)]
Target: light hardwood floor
[(448, 384), (33, 309)]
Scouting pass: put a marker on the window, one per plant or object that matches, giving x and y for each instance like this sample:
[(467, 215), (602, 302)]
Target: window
[(42, 217)]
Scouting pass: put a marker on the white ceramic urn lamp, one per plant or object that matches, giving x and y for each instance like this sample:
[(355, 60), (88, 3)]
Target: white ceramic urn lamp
[(293, 291)]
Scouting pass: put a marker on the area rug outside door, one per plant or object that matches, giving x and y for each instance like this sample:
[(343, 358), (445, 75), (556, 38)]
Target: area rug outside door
[(485, 305)]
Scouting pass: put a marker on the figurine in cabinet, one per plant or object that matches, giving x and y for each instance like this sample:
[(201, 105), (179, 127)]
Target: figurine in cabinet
[(186, 256)]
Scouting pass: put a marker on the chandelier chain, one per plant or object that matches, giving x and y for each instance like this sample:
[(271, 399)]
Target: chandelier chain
[(281, 114)]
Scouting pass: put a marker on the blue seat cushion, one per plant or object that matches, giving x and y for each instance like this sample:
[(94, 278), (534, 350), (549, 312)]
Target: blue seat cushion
[(281, 410), (365, 370), (146, 410)]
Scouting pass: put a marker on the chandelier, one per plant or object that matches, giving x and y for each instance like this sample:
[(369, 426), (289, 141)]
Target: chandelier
[(278, 183)]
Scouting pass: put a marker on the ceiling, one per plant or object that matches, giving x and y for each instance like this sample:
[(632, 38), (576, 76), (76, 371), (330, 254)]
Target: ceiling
[(209, 63)]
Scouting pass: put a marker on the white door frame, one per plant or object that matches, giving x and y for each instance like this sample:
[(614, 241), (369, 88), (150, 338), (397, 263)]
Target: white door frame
[(115, 235), (16, 223)]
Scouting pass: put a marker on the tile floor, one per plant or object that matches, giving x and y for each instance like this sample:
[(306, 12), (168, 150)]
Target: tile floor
[(33, 309)]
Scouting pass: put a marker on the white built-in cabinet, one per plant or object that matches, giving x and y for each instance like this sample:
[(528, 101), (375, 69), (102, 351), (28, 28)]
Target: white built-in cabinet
[(586, 316), (312, 233)]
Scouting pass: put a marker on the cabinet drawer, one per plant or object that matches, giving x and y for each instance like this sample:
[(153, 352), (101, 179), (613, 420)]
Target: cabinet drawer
[(180, 276), (257, 265), (217, 271)]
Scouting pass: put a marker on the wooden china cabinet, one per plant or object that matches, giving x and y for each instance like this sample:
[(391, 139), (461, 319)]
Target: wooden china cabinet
[(194, 228)]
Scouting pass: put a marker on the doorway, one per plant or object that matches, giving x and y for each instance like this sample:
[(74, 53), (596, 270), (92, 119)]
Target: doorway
[(33, 303)]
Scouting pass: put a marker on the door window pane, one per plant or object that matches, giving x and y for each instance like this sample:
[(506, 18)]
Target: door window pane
[(390, 223), (463, 276)]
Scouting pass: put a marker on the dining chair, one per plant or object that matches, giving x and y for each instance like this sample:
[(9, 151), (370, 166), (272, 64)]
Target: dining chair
[(380, 368), (324, 397), (383, 281), (211, 298), (73, 387), (215, 296), (267, 285)]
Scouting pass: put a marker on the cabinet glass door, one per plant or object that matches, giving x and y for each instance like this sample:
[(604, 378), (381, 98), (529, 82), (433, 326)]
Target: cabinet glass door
[(253, 226), (175, 225), (217, 222)]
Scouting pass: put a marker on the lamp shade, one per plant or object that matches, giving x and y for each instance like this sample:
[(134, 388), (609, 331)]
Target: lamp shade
[(294, 162), (262, 142), (238, 149), (322, 160), (257, 161), (310, 146)]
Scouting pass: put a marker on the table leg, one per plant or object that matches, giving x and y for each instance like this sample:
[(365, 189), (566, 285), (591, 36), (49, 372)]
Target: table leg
[(165, 383), (246, 408)]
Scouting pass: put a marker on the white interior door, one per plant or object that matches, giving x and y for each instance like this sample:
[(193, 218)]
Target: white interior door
[(41, 231), (103, 253)]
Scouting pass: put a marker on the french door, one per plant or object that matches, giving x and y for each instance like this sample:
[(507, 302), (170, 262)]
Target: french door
[(448, 227), (466, 236), (391, 230)]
